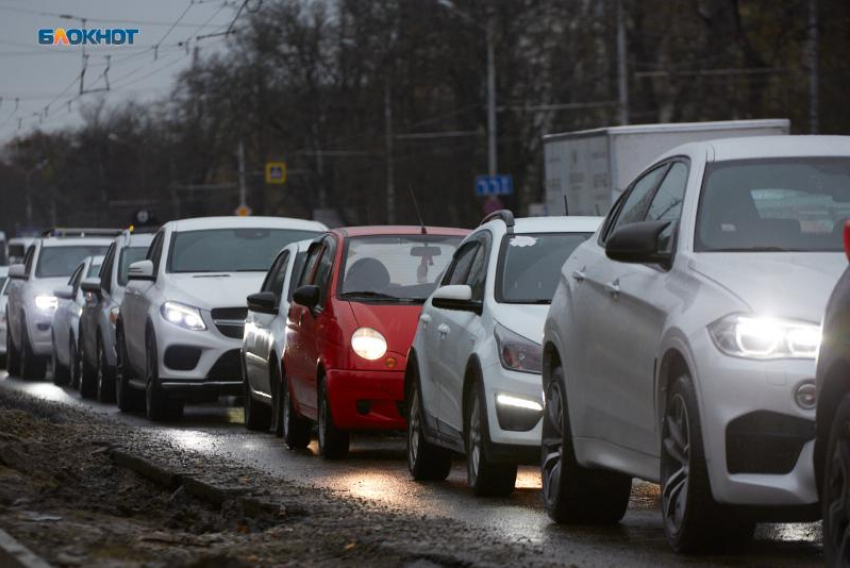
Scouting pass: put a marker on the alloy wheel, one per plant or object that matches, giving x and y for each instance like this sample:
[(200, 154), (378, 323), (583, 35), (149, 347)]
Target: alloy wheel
[(413, 426), (553, 442), (675, 464), (474, 449)]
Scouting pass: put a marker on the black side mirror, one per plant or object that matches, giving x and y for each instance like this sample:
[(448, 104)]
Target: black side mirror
[(91, 286), (307, 296), (640, 243), (262, 302)]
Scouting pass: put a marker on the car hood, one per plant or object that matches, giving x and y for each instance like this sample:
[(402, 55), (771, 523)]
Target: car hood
[(397, 323), (219, 290), (47, 285), (524, 319), (790, 285)]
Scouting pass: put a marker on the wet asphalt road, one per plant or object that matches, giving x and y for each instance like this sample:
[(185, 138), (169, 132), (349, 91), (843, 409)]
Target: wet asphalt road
[(377, 470)]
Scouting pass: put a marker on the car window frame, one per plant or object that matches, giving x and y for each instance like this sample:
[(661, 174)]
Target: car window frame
[(28, 261), (447, 277), (155, 251), (280, 264), (329, 249), (106, 269), (485, 240), (611, 225)]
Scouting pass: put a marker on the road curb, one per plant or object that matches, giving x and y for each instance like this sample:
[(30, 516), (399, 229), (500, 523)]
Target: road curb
[(146, 469), (13, 554)]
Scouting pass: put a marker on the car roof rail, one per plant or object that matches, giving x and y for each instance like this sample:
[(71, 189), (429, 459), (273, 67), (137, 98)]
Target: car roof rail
[(503, 214), (65, 232)]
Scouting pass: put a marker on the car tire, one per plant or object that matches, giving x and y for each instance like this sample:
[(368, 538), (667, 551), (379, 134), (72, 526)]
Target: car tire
[(573, 494), (425, 461), (836, 485), (126, 397), (73, 369), (277, 408), (487, 479), (33, 367), (333, 442), (87, 374), (693, 521), (158, 405), (13, 362), (296, 429), (257, 415), (61, 373), (105, 378)]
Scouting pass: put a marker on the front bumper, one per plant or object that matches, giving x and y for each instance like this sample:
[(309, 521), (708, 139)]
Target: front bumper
[(511, 426), (40, 324), (366, 400), (758, 441)]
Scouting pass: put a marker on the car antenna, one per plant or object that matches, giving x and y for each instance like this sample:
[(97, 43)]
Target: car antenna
[(566, 206), (418, 213)]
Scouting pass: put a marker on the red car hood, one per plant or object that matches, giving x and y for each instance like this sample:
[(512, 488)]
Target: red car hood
[(397, 323)]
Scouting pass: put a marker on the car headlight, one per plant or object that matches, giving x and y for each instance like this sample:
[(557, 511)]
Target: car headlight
[(368, 343), (46, 303), (756, 337), (518, 353), (183, 316), (114, 312)]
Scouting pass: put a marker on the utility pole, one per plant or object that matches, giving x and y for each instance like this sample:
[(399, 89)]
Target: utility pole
[(622, 66), (243, 189), (388, 123), (814, 67), (492, 158)]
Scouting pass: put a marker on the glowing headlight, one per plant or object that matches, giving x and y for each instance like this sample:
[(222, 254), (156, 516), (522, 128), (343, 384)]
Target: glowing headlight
[(46, 303), (368, 343), (114, 312), (517, 402), (518, 353), (765, 338), (183, 316)]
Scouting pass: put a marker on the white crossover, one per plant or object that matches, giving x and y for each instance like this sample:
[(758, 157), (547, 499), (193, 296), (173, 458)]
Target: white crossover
[(680, 345), (181, 321), (66, 326), (265, 339), (46, 266), (473, 380)]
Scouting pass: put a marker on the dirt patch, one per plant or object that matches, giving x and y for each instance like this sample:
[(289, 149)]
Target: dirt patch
[(62, 495)]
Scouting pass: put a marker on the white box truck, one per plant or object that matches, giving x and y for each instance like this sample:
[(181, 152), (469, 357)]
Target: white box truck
[(592, 167)]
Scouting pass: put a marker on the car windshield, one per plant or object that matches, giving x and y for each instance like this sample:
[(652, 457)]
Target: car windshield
[(230, 250), (94, 271), (61, 261), (531, 265), (776, 205), (395, 267), (128, 256)]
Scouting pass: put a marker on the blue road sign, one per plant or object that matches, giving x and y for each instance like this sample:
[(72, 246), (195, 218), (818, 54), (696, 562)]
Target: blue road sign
[(494, 185)]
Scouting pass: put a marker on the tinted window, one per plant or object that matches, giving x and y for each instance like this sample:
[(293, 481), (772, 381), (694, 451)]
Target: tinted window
[(789, 204), (2, 283), (460, 268), (478, 273), (667, 202), (312, 260), (106, 269), (531, 266), (16, 251), (94, 271), (635, 205), (275, 277), (396, 267), (128, 256), (57, 261), (296, 273), (229, 250)]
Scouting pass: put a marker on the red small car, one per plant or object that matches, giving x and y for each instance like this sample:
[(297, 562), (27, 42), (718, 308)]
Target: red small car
[(350, 325)]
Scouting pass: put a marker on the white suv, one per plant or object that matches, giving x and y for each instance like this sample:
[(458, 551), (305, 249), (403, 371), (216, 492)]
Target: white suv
[(181, 321), (680, 345), (473, 375), (47, 265)]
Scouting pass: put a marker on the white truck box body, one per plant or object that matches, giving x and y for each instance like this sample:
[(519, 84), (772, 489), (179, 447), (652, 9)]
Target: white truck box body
[(592, 167)]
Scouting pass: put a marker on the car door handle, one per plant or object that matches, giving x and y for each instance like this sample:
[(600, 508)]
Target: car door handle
[(443, 329), (578, 276), (613, 288)]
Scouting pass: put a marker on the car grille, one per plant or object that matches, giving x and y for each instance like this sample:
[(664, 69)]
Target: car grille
[(227, 368), (766, 442), (230, 321)]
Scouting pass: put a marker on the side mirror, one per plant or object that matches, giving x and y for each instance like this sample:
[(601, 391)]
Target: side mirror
[(455, 297), (307, 296), (18, 272), (141, 270), (640, 243), (64, 293), (91, 286), (262, 303)]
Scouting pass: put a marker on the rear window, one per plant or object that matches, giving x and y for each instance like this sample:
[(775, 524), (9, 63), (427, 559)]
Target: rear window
[(58, 261)]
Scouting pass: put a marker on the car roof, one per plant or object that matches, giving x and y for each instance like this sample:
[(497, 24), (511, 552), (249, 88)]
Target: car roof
[(399, 230), (75, 241), (759, 147), (202, 223), (576, 224)]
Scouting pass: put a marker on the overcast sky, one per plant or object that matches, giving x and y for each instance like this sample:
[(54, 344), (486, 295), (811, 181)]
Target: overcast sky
[(48, 76)]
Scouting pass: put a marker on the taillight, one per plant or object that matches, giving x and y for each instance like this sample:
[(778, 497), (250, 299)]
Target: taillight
[(847, 239)]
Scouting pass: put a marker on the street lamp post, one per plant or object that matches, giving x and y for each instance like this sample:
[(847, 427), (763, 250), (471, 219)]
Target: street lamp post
[(28, 174)]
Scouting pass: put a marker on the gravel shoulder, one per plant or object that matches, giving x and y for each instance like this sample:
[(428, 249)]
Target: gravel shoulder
[(63, 496)]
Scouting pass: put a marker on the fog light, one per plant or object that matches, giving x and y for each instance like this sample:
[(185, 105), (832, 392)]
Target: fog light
[(805, 396)]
